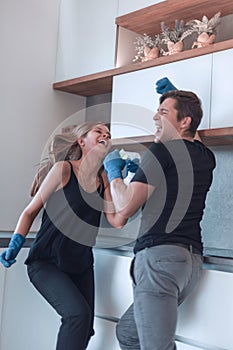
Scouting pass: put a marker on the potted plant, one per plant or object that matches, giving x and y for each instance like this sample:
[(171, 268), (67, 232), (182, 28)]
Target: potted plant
[(205, 30), (174, 38), (147, 47)]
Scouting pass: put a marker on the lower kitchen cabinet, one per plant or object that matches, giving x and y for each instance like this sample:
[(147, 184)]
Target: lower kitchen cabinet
[(28, 322), (183, 346), (206, 317), (2, 282), (105, 336), (113, 284)]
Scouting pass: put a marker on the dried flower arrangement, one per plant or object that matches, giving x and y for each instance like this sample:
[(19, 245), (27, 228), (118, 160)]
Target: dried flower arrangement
[(174, 38), (147, 47), (205, 30)]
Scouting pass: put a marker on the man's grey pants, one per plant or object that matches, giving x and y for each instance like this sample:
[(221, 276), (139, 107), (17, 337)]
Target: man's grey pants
[(163, 276)]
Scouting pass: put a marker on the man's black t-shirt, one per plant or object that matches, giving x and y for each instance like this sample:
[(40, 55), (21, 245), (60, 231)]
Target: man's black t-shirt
[(181, 172)]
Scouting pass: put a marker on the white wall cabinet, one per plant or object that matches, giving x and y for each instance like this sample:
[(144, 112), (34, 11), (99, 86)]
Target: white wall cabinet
[(87, 37), (135, 101), (222, 90)]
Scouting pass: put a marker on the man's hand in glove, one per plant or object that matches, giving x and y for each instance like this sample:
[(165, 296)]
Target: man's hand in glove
[(164, 85)]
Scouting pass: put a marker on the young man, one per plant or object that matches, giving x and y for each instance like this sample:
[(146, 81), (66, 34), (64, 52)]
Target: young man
[(171, 187)]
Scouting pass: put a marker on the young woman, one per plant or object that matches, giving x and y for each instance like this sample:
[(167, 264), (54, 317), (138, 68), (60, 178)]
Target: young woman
[(74, 190)]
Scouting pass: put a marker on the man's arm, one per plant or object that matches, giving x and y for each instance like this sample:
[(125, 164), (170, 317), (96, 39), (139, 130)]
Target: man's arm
[(128, 199)]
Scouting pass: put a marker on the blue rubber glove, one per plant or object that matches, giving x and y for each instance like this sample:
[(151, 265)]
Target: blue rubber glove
[(132, 165), (7, 258), (164, 85), (113, 165)]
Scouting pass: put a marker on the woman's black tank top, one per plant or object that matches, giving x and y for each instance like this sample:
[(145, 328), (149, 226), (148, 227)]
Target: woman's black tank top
[(69, 227)]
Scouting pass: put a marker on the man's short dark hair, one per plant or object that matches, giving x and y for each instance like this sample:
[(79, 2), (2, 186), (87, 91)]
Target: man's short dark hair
[(187, 104)]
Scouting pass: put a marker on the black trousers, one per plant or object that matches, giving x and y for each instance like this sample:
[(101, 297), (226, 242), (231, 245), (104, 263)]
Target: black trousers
[(72, 296)]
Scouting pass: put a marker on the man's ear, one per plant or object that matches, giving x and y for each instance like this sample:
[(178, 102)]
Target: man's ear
[(185, 123)]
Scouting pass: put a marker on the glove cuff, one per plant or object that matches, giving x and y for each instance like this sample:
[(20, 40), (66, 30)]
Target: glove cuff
[(114, 174), (18, 239), (14, 246)]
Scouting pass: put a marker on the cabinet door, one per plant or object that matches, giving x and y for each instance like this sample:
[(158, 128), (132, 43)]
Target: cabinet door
[(222, 91), (87, 36), (134, 99), (2, 289), (105, 336), (132, 5), (183, 346), (113, 287), (206, 316), (28, 321)]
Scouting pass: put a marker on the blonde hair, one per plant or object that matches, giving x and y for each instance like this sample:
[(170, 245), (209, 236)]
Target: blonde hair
[(62, 147)]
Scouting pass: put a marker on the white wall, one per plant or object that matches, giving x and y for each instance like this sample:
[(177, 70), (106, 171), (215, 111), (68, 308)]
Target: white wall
[(30, 109), (126, 6)]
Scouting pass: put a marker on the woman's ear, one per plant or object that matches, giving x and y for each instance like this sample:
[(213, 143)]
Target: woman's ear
[(81, 142)]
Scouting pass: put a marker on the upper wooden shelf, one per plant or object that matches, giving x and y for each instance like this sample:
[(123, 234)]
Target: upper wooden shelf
[(210, 137), (148, 20), (101, 83)]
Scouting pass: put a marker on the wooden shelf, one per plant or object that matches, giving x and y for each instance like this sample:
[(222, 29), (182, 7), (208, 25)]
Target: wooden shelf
[(101, 83), (217, 137), (148, 20), (210, 137)]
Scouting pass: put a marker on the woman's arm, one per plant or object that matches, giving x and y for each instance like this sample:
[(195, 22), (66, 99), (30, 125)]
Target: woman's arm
[(52, 181), (128, 199)]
